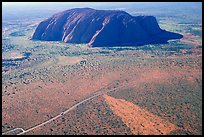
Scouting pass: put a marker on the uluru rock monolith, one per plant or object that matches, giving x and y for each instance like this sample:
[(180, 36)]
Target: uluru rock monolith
[(102, 28)]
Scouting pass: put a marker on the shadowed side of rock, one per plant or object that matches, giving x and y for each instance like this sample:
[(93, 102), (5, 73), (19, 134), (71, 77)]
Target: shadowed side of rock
[(101, 28)]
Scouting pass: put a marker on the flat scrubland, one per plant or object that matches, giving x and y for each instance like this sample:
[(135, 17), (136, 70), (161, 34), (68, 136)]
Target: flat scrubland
[(152, 89)]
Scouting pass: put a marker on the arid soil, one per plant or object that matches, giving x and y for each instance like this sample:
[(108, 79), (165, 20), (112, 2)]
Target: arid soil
[(139, 120), (163, 88), (58, 88), (93, 117)]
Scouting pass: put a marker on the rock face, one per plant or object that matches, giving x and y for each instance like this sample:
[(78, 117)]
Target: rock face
[(101, 28)]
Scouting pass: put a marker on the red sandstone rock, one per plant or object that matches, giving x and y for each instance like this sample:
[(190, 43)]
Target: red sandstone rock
[(102, 28)]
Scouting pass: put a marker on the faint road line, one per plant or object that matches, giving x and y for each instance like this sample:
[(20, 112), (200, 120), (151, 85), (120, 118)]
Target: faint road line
[(25, 131), (13, 130)]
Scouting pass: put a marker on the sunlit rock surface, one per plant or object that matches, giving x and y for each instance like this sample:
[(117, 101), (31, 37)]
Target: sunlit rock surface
[(100, 28)]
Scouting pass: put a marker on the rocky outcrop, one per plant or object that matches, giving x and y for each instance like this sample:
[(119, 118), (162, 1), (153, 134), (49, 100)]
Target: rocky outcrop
[(102, 28)]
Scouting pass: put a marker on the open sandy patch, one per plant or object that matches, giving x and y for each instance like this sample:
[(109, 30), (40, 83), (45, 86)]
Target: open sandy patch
[(67, 60), (61, 60), (140, 121), (13, 55)]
